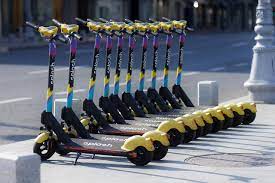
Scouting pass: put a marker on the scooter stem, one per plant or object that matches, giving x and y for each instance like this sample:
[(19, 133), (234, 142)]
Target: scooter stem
[(73, 47), (118, 66), (143, 63), (107, 67), (155, 61), (94, 67), (180, 61), (167, 61), (52, 55), (130, 64)]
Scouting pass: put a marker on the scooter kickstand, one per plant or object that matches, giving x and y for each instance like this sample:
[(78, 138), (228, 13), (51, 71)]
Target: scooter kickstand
[(77, 157)]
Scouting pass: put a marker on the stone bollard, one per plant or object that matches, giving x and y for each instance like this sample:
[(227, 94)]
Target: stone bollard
[(60, 103), (208, 93), (261, 83), (19, 168)]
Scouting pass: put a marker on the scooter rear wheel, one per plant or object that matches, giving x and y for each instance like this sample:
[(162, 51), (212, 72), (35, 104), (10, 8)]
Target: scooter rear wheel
[(238, 119), (175, 137), (228, 122), (45, 149), (189, 135), (249, 117), (217, 125), (143, 156), (160, 150)]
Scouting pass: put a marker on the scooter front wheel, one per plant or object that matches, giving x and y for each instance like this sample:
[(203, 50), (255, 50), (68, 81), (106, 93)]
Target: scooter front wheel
[(175, 137), (160, 151), (143, 156), (45, 149), (249, 117)]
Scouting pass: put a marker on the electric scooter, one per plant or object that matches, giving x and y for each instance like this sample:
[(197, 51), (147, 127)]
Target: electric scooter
[(180, 94), (137, 149), (100, 124)]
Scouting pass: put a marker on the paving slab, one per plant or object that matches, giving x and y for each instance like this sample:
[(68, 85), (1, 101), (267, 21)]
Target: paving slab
[(243, 154)]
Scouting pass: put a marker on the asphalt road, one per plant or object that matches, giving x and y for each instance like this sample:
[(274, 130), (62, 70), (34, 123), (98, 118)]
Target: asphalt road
[(223, 57)]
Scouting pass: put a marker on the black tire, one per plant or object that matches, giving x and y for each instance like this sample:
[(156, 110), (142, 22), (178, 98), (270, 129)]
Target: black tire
[(199, 132), (237, 120), (189, 135), (227, 122), (249, 117), (143, 156), (217, 125), (160, 151), (45, 149), (207, 129), (175, 137)]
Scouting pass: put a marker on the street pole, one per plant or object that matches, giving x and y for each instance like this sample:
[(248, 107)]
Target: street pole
[(261, 83), (29, 34), (1, 15)]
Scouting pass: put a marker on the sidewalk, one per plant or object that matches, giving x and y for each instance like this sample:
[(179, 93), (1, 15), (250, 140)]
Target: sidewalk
[(243, 154)]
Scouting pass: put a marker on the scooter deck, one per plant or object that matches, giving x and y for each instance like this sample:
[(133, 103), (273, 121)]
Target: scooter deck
[(95, 146), (125, 129)]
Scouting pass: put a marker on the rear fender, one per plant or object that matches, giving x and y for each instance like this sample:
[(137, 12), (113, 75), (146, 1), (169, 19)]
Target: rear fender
[(216, 113), (157, 136), (187, 120), (198, 119), (236, 108), (136, 141), (225, 110), (250, 106), (171, 124)]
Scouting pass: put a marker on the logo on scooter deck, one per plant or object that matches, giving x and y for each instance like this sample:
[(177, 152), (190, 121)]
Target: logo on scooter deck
[(97, 144), (113, 139), (132, 128)]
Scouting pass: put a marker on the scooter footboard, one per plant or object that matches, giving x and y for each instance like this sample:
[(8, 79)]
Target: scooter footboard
[(51, 123), (167, 95), (129, 100), (142, 98), (108, 107), (180, 94), (70, 118), (153, 95), (121, 107)]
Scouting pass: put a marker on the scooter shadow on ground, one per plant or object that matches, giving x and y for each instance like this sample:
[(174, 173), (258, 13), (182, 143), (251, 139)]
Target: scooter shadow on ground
[(18, 126), (17, 138), (117, 167)]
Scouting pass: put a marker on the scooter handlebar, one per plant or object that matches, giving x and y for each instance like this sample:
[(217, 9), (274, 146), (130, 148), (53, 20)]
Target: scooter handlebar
[(32, 25), (56, 22), (61, 39), (77, 36), (166, 19), (103, 20), (81, 21), (128, 21)]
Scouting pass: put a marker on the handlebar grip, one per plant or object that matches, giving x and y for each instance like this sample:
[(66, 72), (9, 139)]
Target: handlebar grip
[(90, 20), (138, 21), (166, 19), (81, 21), (77, 36), (152, 20), (32, 25), (61, 39), (128, 21), (190, 29), (103, 20), (56, 22)]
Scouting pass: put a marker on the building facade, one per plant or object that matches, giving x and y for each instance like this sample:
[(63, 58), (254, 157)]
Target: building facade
[(212, 15)]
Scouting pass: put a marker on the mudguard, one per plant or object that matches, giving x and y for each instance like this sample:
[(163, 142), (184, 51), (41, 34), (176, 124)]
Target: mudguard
[(225, 110), (135, 141), (171, 124), (250, 106), (206, 116), (157, 136), (215, 113), (236, 108), (186, 120), (198, 119), (42, 137)]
